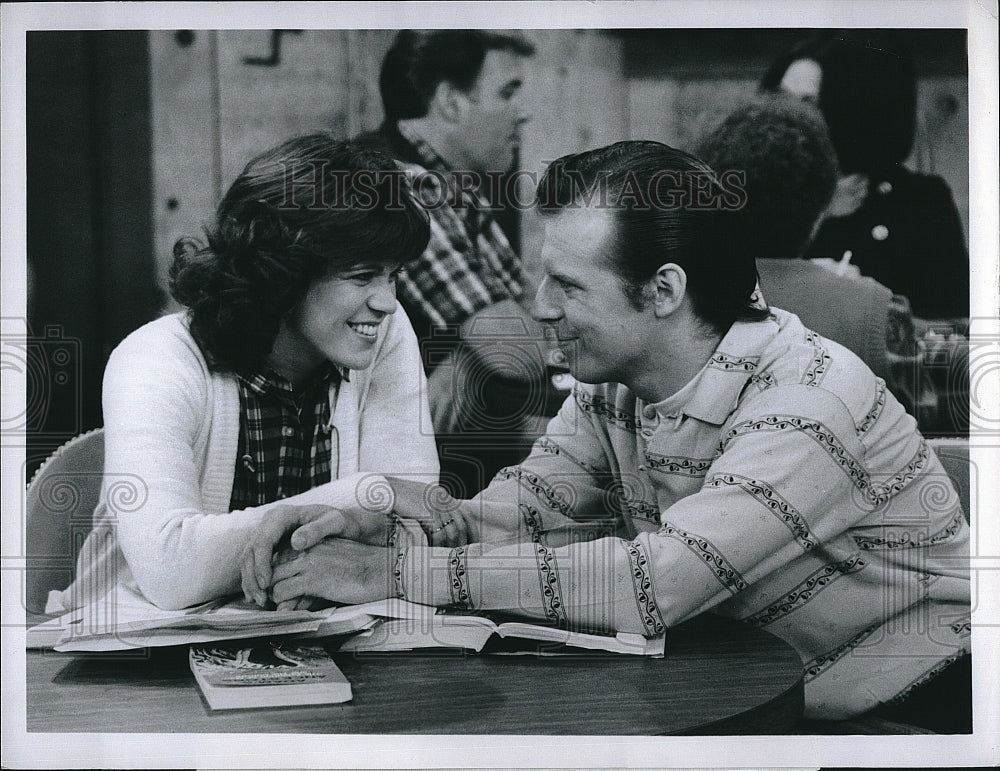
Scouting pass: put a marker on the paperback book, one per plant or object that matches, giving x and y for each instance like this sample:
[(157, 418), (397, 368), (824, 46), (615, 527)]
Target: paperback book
[(267, 674)]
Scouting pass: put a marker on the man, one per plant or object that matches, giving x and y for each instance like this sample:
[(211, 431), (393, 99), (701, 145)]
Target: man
[(716, 456), (788, 164), (454, 111)]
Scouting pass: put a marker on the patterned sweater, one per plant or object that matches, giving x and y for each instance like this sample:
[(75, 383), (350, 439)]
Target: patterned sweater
[(784, 486)]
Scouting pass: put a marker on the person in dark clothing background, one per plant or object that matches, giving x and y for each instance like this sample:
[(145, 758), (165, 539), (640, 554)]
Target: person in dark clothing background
[(788, 166), (896, 226)]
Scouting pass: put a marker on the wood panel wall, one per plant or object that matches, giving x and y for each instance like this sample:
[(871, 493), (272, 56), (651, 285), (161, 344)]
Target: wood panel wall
[(212, 111)]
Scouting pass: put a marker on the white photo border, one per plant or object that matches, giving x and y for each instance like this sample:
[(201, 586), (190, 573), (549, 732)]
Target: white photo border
[(34, 750)]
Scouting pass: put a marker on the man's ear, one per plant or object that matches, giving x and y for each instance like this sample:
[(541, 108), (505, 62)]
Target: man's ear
[(447, 102), (670, 285)]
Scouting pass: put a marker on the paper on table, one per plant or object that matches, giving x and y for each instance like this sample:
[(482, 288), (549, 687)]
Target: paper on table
[(124, 619)]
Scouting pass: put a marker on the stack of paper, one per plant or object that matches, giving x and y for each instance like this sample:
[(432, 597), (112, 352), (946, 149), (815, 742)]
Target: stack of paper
[(124, 620)]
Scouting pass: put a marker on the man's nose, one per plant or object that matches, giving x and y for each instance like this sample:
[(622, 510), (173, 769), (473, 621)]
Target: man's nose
[(543, 310)]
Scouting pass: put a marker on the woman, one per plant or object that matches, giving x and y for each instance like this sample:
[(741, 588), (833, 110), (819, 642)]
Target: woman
[(896, 226), (292, 377)]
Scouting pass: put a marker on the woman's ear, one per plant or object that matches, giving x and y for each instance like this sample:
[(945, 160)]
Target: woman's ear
[(670, 285)]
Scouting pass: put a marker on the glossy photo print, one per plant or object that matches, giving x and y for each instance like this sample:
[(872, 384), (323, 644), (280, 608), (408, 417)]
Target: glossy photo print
[(499, 385)]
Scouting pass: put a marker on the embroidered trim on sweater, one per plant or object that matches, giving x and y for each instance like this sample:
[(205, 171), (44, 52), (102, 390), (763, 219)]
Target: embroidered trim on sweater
[(642, 586), (769, 498), (816, 582), (726, 574)]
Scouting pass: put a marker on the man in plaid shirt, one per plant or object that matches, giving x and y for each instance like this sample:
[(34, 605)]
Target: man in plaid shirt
[(453, 117)]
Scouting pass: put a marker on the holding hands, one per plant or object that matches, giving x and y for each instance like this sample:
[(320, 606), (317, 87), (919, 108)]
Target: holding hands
[(302, 553), (291, 533)]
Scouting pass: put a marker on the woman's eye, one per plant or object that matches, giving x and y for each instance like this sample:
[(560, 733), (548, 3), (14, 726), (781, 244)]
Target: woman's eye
[(362, 278)]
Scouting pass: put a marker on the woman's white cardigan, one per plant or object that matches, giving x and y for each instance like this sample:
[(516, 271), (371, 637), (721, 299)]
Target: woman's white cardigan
[(171, 436)]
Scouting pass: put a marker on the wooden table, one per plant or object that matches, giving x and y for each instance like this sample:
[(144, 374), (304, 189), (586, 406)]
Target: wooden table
[(718, 677)]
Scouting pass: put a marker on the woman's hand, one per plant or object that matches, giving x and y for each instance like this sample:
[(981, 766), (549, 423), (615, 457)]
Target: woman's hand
[(303, 527), (338, 570)]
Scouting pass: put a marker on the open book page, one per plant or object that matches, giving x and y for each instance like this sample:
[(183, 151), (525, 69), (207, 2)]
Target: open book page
[(430, 630), (436, 629), (622, 642), (124, 619)]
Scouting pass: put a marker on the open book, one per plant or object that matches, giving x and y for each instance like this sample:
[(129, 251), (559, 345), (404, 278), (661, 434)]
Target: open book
[(267, 674), (124, 620), (432, 628)]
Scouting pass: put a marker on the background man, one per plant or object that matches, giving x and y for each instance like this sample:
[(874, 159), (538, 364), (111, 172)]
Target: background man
[(720, 456), (452, 102)]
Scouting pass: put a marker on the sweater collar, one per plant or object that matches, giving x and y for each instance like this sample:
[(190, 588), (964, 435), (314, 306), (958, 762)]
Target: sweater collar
[(712, 394)]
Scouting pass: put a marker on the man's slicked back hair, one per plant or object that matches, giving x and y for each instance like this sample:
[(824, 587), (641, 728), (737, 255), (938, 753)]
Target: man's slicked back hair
[(668, 207)]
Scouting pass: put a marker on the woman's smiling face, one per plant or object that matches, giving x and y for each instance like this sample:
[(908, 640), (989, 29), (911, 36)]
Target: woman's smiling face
[(337, 321)]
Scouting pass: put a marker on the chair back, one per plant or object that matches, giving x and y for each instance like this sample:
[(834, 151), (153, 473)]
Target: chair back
[(59, 509), (954, 456)]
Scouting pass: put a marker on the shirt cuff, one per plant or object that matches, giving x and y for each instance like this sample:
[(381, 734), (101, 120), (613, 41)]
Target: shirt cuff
[(404, 533), (423, 575)]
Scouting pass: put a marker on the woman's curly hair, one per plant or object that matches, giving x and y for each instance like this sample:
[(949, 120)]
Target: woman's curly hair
[(308, 208)]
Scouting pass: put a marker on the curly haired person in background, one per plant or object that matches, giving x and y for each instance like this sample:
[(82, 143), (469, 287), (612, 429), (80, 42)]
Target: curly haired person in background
[(782, 149)]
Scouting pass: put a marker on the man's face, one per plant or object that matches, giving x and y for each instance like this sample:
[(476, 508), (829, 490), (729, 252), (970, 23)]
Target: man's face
[(803, 79), (603, 336), (494, 113)]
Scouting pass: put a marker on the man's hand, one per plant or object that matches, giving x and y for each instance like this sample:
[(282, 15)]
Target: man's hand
[(439, 514), (306, 526), (338, 570)]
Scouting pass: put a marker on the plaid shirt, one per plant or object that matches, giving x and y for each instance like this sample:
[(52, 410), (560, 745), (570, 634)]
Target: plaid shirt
[(285, 437), (469, 264)]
